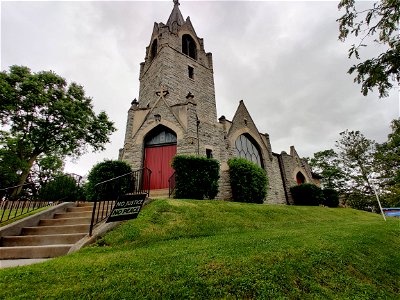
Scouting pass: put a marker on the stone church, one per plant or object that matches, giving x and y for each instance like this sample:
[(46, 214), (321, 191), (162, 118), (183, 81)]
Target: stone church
[(176, 114)]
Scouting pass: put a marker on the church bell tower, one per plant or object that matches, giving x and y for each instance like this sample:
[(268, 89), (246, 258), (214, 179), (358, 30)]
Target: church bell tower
[(176, 61), (176, 110)]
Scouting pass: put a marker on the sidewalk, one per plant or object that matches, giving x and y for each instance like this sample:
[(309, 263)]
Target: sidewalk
[(8, 263)]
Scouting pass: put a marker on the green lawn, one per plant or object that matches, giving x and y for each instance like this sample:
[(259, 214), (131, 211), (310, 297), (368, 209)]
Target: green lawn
[(180, 249)]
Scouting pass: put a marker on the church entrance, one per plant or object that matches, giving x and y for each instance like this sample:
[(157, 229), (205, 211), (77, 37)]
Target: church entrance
[(160, 149)]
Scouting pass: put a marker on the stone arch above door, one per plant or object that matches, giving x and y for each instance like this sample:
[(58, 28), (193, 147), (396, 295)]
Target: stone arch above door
[(145, 131)]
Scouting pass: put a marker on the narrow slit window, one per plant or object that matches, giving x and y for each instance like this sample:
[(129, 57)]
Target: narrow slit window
[(209, 153), (191, 72)]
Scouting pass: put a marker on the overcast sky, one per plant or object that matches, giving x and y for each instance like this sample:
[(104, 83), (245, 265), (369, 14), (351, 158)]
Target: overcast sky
[(282, 58)]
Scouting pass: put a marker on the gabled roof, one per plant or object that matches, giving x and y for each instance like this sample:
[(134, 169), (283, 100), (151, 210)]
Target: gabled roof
[(176, 15), (242, 119)]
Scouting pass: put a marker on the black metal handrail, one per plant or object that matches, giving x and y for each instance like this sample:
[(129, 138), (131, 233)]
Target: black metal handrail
[(26, 189), (108, 191), (28, 199), (171, 184), (10, 209)]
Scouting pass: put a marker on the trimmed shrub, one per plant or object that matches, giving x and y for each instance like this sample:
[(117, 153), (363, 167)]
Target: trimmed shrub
[(331, 197), (248, 181), (196, 177), (307, 194), (103, 171), (63, 188)]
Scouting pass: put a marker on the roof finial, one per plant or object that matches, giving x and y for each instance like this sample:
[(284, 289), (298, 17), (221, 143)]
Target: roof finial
[(176, 2)]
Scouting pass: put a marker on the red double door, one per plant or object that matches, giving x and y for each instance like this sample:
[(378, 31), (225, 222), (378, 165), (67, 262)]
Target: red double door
[(158, 160)]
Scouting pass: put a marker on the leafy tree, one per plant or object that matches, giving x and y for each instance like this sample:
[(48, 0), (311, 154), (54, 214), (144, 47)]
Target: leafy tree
[(61, 188), (379, 23), (356, 155), (10, 168), (45, 115), (46, 168), (388, 161), (326, 163)]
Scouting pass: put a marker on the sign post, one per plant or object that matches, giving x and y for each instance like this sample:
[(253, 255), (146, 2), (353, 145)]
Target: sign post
[(127, 207)]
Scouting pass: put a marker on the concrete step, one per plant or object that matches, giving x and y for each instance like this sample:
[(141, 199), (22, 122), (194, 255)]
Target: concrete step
[(161, 193), (45, 230), (85, 204), (80, 209), (88, 208), (51, 237), (65, 221), (38, 240), (34, 251), (84, 214)]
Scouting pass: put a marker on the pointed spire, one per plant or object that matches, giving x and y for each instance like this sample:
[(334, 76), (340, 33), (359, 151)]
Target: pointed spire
[(176, 15)]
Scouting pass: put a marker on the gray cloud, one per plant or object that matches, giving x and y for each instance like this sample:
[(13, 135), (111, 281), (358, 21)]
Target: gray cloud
[(282, 58)]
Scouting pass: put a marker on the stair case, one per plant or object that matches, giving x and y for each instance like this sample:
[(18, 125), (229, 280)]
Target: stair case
[(51, 237)]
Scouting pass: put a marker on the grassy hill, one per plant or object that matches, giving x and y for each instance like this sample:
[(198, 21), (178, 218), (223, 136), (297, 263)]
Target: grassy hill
[(180, 249)]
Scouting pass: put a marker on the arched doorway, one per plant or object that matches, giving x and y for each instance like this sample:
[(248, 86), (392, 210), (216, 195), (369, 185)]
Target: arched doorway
[(300, 178), (160, 148)]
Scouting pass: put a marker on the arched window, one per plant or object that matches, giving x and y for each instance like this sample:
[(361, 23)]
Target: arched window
[(188, 46), (247, 148), (154, 49), (300, 178), (160, 136)]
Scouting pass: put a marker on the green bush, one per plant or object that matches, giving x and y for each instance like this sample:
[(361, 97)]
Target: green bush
[(248, 181), (196, 177), (63, 188), (331, 198), (103, 171), (307, 194), (362, 201)]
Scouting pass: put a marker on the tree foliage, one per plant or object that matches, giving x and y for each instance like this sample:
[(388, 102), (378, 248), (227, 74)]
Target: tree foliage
[(326, 164), (61, 188), (45, 115), (387, 159), (380, 23), (46, 168), (366, 167), (11, 165), (356, 154)]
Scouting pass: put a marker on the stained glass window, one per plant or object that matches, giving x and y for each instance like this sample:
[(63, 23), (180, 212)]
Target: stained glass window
[(246, 148)]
